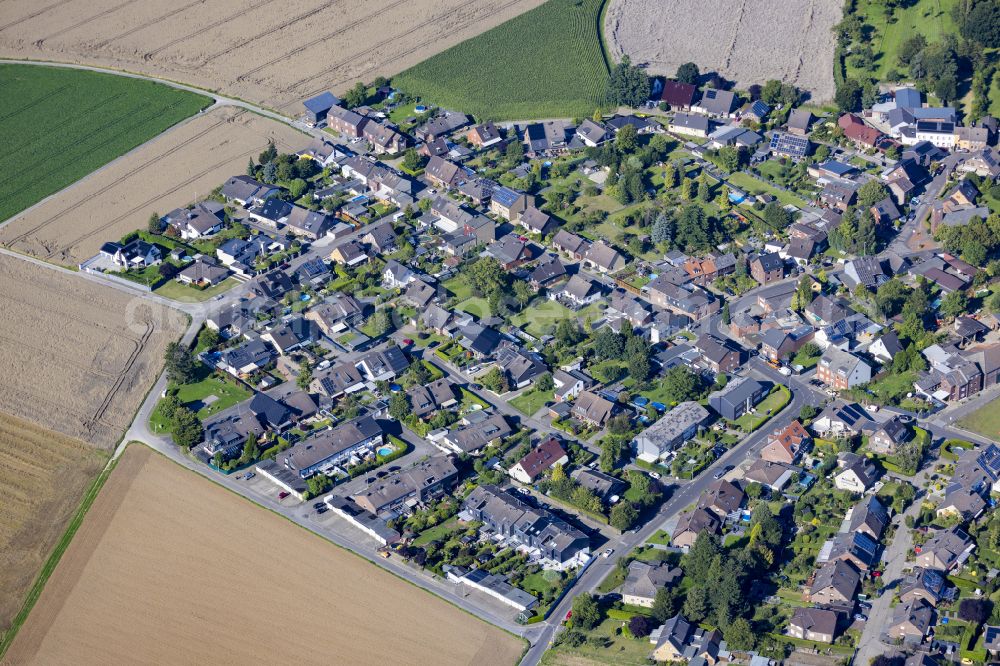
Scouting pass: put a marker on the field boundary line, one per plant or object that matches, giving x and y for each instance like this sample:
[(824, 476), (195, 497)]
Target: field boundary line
[(55, 556), (149, 55), (28, 18), (111, 10), (143, 26)]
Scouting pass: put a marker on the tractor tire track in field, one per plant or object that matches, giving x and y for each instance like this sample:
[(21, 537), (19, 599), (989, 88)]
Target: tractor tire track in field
[(38, 43), (123, 375), (104, 189), (265, 33), (69, 244), (35, 102), (342, 29), (45, 352), (149, 54), (31, 16), (151, 22), (401, 54), (30, 144)]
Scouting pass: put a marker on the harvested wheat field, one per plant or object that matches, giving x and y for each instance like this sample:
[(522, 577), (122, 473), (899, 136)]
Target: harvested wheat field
[(173, 170), (746, 41), (275, 52), (163, 554), (43, 476), (78, 357)]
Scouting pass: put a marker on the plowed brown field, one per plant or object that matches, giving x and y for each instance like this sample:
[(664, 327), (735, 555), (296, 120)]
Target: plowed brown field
[(77, 357), (169, 568)]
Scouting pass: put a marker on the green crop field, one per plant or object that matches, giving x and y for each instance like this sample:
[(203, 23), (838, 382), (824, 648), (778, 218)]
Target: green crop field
[(546, 63), (57, 125)]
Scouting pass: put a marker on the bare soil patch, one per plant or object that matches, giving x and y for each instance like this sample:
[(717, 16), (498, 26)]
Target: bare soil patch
[(78, 357), (276, 52), (176, 168), (747, 41), (43, 475), (164, 554)]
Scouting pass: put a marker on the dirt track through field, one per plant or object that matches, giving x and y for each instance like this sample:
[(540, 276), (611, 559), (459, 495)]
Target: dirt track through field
[(43, 475), (272, 52), (175, 169), (749, 42), (165, 556), (78, 357)]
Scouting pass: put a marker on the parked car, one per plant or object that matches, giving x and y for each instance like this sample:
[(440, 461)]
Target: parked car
[(283, 494), (249, 476), (655, 475), (607, 552)]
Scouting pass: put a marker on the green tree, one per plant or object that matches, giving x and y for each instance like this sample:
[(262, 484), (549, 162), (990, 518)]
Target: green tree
[(726, 317), (304, 377), (664, 604), (412, 160), (697, 604), (586, 612), (739, 635), (356, 96), (688, 73), (803, 294), (628, 85), (545, 383), (776, 217), (954, 304), (623, 515), (681, 384), (154, 225), (848, 95), (627, 139), (250, 449), (399, 405), (697, 562), (704, 190), (637, 354), (871, 193), (522, 292), (180, 363), (185, 427), (495, 380)]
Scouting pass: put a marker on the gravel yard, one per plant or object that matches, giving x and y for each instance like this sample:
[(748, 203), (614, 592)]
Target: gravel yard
[(749, 41)]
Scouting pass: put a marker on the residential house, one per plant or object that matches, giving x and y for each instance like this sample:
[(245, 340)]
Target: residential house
[(203, 219), (555, 542), (579, 291), (910, 621), (789, 145), (857, 473), (331, 448), (481, 341), (521, 368), (705, 270), (886, 347), (780, 343), (428, 399), (396, 276), (737, 397), (841, 369), (419, 483), (670, 431), (592, 409), (202, 273), (536, 221), (722, 498), (570, 244), (270, 413), (945, 550), (869, 517), (307, 223), (716, 102), (510, 251), (244, 359), (477, 431), (539, 460), (384, 139), (680, 96), (245, 190), (889, 436), (547, 273), (603, 257), (785, 445), (337, 380), (767, 268), (336, 314), (318, 107), (442, 124), (349, 253), (679, 641), (484, 135), (813, 624), (855, 129), (718, 355), (443, 173), (689, 125), (292, 334), (691, 301), (835, 583), (926, 584), (592, 133), (381, 237), (226, 436), (345, 122), (799, 121), (769, 474), (135, 254), (604, 486), (691, 524), (645, 579)]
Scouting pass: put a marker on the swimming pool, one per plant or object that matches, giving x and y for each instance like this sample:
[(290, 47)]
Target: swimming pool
[(384, 451)]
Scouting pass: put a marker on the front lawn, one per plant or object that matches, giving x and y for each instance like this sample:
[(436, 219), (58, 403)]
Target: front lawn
[(541, 318), (754, 186), (199, 397), (475, 306), (767, 408), (984, 421), (529, 402), (188, 294)]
